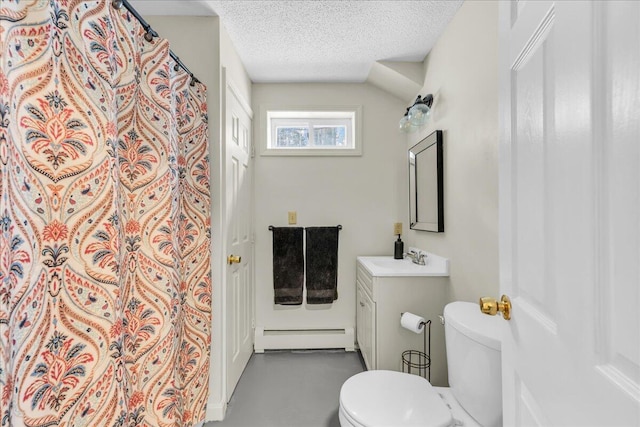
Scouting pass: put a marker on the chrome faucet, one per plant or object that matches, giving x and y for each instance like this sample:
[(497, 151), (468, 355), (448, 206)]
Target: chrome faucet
[(416, 257)]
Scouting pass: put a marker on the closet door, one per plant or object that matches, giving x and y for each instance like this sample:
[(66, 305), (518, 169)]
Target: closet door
[(239, 275)]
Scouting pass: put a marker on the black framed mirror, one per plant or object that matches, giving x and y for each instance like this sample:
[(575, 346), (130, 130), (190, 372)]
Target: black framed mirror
[(426, 189)]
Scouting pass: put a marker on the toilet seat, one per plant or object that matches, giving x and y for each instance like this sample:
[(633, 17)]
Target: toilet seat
[(389, 398), (346, 420)]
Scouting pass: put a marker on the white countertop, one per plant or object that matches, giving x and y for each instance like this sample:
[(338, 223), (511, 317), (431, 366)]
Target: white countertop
[(387, 266)]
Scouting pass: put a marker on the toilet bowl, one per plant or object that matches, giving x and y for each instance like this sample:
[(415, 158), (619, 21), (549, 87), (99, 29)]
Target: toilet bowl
[(389, 398)]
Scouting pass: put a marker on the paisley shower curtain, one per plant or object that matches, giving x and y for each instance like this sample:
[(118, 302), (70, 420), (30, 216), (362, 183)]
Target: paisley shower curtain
[(105, 284)]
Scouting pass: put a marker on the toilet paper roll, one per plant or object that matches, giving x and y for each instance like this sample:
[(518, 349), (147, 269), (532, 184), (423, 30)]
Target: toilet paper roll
[(412, 322)]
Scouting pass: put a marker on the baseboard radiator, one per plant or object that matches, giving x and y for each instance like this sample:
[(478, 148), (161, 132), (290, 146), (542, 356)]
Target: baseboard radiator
[(298, 339)]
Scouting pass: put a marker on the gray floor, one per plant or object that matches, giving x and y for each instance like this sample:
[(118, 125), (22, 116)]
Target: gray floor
[(291, 388)]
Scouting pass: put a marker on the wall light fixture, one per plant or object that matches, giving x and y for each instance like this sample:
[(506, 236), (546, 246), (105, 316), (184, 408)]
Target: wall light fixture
[(417, 114)]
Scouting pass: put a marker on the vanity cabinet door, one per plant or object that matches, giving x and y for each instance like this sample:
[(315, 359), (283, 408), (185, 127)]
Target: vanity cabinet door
[(365, 321)]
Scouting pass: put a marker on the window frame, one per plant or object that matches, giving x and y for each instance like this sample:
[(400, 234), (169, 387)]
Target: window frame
[(312, 115)]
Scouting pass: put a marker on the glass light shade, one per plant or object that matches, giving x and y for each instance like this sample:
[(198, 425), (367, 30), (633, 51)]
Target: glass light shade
[(418, 114), (405, 125)]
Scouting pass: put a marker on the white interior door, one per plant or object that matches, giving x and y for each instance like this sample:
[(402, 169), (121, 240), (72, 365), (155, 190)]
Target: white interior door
[(239, 276), (569, 212)]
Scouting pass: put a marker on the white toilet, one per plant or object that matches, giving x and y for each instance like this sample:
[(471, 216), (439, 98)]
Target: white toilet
[(474, 398)]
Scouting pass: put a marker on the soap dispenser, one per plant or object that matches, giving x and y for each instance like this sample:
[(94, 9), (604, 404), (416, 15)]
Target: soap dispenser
[(398, 251)]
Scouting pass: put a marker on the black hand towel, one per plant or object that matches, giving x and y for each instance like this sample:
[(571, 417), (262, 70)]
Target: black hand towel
[(288, 265), (322, 265)]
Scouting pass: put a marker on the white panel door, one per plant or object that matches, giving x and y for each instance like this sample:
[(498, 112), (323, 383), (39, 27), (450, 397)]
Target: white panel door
[(239, 287), (569, 212)]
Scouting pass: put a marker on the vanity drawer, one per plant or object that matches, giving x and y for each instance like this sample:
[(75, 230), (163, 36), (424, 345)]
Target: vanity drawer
[(364, 278)]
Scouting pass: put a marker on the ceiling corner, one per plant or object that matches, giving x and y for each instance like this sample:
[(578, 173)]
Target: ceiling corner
[(402, 79)]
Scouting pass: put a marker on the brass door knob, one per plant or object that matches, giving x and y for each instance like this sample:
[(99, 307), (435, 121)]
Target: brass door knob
[(234, 259), (491, 306)]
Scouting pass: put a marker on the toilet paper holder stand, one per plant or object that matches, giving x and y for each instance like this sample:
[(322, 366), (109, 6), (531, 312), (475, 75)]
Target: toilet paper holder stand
[(419, 362)]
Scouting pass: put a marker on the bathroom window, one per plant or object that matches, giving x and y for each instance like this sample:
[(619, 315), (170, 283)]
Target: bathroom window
[(311, 131)]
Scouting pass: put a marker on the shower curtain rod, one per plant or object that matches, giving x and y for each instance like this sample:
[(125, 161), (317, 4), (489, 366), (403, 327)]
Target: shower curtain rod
[(150, 33)]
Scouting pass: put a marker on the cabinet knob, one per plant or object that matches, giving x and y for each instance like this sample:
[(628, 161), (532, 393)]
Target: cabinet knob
[(361, 304)]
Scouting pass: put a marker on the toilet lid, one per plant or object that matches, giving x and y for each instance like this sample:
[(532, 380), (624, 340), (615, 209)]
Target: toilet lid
[(388, 398)]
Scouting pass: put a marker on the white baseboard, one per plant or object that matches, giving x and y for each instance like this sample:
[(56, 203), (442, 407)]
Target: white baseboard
[(216, 411), (303, 339)]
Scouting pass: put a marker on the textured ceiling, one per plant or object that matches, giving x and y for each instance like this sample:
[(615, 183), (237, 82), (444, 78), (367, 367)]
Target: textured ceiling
[(320, 41)]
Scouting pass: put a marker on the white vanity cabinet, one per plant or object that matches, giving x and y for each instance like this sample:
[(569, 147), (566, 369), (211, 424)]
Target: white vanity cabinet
[(385, 289)]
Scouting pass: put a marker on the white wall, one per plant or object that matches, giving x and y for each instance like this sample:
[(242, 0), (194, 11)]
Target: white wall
[(235, 70), (461, 72), (365, 194)]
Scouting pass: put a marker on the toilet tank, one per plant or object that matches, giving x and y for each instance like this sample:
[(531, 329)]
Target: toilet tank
[(473, 342)]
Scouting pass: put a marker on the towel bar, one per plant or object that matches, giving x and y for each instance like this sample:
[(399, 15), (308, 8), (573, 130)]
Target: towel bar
[(339, 227)]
